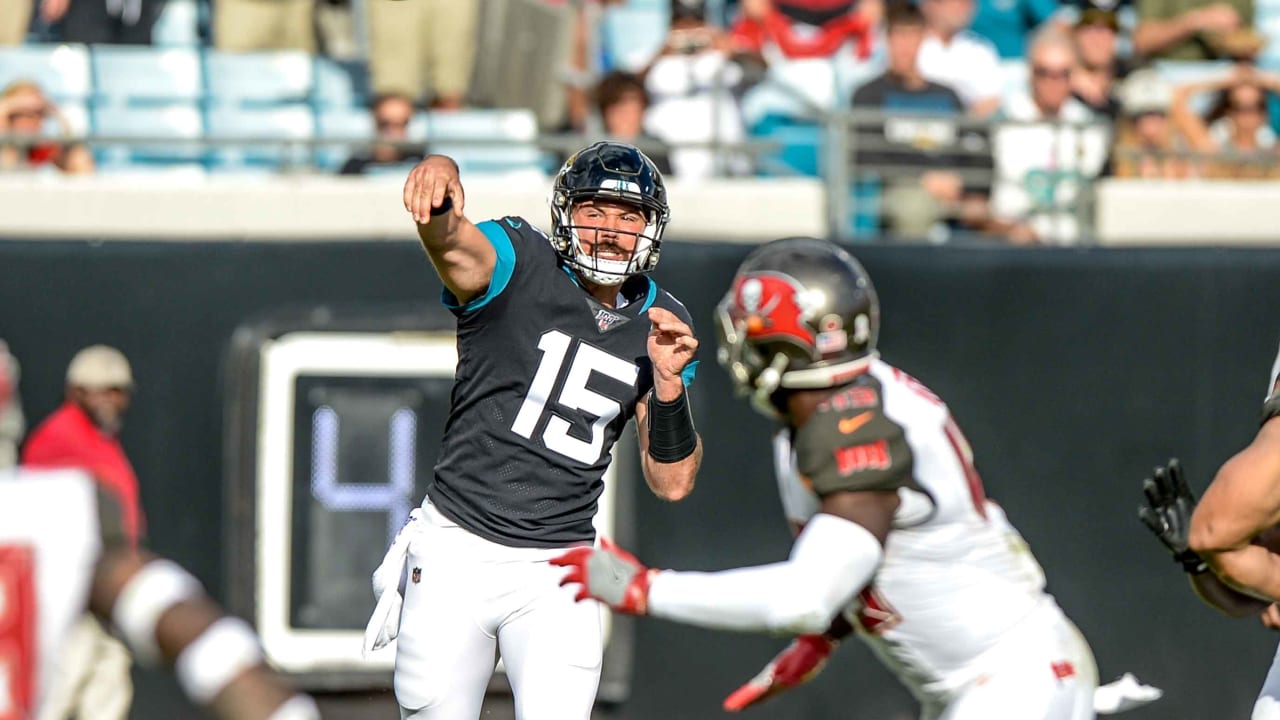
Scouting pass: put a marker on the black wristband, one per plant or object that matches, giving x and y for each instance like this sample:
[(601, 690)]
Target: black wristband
[(671, 434), (445, 206), (1191, 563)]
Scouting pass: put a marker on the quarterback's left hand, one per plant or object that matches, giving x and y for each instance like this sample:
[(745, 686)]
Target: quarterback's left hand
[(671, 347), (608, 574)]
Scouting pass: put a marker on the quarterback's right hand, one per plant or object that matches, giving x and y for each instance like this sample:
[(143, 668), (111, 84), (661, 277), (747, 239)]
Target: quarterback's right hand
[(430, 182), (803, 659), (1167, 513)]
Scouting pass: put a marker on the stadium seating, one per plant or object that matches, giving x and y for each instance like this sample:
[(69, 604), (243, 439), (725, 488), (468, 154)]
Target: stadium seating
[(486, 141), (287, 122), (142, 76), (62, 70), (350, 124), (339, 84), (176, 121), (260, 79)]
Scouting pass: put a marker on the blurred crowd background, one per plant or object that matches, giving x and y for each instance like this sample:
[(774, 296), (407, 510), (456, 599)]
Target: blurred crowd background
[(936, 119)]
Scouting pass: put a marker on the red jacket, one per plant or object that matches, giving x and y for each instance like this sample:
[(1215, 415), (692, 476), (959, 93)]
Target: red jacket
[(752, 35), (68, 438)]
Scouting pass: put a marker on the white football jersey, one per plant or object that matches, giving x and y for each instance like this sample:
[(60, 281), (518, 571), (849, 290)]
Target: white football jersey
[(50, 540), (956, 576)]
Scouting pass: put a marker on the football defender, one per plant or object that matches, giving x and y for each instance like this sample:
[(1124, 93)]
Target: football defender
[(561, 340), (64, 550), (898, 543)]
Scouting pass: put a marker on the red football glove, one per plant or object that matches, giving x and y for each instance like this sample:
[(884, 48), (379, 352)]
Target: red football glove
[(798, 664), (608, 574)]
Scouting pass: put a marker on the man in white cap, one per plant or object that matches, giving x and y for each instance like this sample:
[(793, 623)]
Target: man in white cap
[(92, 681)]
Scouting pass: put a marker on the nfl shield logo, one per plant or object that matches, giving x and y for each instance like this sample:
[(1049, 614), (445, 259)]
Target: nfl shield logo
[(606, 320), (417, 575)]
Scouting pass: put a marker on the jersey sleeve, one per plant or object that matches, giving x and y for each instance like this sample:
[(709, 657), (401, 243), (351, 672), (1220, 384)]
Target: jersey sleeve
[(853, 449), (511, 237)]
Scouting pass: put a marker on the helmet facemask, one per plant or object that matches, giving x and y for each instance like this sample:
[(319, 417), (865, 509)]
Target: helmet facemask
[(585, 258), (609, 171)]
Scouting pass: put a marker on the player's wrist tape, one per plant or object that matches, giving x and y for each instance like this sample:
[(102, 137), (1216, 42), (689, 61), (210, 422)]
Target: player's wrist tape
[(225, 649), (298, 707), (672, 437), (158, 586), (1191, 562)]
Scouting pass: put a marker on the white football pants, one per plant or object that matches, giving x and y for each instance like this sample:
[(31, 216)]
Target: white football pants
[(1268, 705), (467, 598), (1043, 671)]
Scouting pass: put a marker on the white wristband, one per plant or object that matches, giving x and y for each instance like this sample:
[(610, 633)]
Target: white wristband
[(158, 586), (298, 707), (227, 648)]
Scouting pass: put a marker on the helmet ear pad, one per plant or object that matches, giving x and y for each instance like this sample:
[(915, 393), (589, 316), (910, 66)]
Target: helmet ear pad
[(609, 171)]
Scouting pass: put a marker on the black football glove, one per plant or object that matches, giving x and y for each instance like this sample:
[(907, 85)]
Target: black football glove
[(1167, 513)]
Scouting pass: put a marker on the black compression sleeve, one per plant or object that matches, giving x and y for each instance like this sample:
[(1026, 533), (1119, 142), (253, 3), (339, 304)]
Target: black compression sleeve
[(672, 437)]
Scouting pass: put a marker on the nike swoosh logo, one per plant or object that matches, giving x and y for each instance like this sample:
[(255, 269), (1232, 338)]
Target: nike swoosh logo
[(850, 425)]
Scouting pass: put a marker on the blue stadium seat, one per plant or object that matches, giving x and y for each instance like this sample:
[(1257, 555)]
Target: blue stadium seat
[(61, 70), (259, 79), (632, 34), (287, 122), (341, 124), (486, 141), (138, 76), (178, 25), (179, 121), (340, 84)]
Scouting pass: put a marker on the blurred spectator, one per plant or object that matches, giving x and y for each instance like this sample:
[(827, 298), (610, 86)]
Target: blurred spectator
[(1146, 145), (1195, 30), (955, 57), (1093, 81), (1008, 23), (1043, 168), (690, 86), (391, 116), (622, 102), (23, 112), (12, 422), (15, 20), (93, 671), (801, 29), (423, 49), (921, 187), (250, 25), (107, 22), (1235, 125)]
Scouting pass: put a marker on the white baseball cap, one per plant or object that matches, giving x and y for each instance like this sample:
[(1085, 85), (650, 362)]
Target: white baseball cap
[(100, 367)]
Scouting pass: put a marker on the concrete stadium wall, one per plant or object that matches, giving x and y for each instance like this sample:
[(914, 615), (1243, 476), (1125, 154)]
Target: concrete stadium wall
[(308, 207), (1071, 371)]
